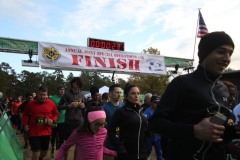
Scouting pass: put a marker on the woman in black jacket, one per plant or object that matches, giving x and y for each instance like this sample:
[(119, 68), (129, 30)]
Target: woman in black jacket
[(130, 121)]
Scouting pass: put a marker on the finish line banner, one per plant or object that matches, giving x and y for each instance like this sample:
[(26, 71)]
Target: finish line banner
[(68, 57)]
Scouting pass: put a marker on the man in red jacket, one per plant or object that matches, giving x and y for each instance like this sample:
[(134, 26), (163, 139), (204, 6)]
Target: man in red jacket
[(42, 113)]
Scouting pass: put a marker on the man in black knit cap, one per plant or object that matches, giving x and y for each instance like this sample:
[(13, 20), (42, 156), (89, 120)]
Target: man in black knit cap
[(185, 111)]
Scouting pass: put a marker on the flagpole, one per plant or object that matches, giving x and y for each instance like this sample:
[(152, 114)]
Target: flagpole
[(196, 35)]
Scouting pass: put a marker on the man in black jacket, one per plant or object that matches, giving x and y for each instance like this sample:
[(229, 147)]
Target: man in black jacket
[(185, 111)]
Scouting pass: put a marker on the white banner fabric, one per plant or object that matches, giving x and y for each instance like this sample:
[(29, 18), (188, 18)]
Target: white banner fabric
[(69, 57)]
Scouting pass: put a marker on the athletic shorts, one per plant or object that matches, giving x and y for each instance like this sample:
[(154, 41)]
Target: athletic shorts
[(39, 143)]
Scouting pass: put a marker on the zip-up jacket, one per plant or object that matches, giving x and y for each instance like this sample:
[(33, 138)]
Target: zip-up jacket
[(132, 126), (88, 145), (74, 114), (187, 100)]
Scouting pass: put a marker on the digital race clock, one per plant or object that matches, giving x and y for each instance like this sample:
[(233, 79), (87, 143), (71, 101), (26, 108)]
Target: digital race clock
[(105, 44)]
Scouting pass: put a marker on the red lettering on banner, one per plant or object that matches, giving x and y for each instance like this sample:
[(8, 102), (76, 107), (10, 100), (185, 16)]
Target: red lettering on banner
[(104, 62), (73, 50), (101, 61), (134, 64), (74, 60), (89, 52), (88, 61), (121, 63), (111, 63), (104, 54)]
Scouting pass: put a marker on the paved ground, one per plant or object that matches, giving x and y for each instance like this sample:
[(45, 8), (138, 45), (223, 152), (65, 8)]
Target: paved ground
[(27, 152)]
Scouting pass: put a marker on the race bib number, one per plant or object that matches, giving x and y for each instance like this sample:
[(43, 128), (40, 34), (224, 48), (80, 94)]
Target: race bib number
[(41, 121)]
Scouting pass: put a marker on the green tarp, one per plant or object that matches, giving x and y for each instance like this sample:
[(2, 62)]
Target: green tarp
[(10, 147)]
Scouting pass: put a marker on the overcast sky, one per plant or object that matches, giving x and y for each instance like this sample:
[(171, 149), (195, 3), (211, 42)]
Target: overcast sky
[(168, 25)]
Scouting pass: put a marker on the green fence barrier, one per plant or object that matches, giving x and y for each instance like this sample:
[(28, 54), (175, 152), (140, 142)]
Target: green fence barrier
[(10, 147)]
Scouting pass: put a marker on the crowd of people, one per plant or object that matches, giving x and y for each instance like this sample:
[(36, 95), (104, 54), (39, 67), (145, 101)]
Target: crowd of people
[(194, 119)]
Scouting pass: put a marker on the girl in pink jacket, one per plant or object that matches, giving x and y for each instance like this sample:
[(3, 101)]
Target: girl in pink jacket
[(89, 138)]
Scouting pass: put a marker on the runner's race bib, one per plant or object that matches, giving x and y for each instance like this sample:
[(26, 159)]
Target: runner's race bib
[(41, 121), (54, 125), (77, 101)]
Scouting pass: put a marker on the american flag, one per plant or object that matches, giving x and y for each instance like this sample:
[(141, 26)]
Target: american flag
[(202, 28)]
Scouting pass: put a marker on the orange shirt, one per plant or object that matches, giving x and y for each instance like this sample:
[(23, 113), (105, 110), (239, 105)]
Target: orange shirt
[(15, 106)]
